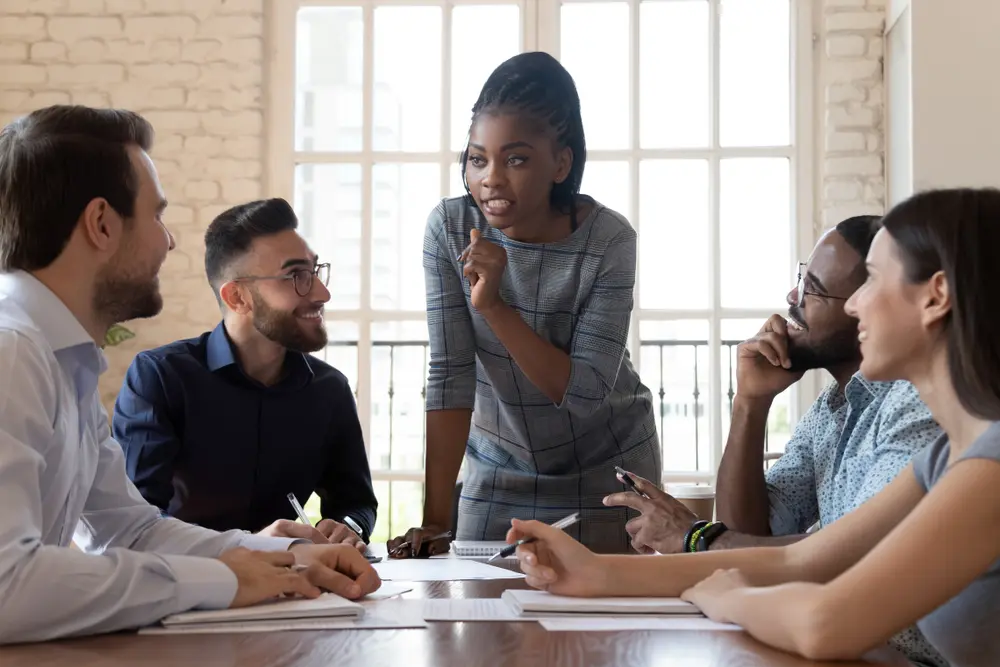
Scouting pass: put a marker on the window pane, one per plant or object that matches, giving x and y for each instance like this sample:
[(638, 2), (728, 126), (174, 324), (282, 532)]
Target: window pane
[(455, 186), (608, 183), (674, 76), (328, 203), (779, 423), (755, 232), (755, 73), (673, 362), (328, 75), (407, 79), (403, 195), (594, 48), (399, 379), (400, 507), (673, 221), (341, 350), (475, 54)]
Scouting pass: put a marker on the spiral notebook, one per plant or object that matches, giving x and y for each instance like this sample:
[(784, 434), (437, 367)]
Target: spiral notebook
[(471, 549)]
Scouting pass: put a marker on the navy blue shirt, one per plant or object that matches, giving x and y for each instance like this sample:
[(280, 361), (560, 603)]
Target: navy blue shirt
[(209, 445)]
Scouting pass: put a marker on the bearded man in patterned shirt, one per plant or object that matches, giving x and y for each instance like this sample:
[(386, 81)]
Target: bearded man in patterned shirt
[(853, 441)]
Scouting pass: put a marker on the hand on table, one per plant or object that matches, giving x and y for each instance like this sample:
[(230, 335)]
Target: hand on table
[(420, 545), (557, 563), (338, 568)]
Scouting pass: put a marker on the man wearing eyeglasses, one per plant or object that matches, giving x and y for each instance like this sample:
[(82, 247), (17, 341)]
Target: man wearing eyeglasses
[(218, 430), (856, 437)]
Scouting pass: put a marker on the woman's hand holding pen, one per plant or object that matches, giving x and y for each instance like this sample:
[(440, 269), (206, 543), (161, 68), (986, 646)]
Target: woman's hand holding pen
[(557, 563), (485, 263)]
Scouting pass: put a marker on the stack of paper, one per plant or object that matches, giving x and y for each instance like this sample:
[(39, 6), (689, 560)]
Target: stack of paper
[(529, 602), (326, 605)]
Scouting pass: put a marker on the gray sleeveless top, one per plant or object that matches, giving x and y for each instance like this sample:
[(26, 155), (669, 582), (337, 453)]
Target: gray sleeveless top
[(966, 629)]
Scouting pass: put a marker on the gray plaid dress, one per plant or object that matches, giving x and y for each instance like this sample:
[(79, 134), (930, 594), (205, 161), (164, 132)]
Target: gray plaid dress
[(527, 457)]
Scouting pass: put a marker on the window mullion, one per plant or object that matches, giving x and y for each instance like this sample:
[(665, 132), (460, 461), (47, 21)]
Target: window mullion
[(715, 250), (364, 323)]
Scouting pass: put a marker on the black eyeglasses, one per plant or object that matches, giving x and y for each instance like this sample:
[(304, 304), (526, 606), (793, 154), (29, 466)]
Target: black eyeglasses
[(302, 279), (801, 291)]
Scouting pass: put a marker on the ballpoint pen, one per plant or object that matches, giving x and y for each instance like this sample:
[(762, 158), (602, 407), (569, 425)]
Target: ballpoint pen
[(509, 550), (626, 479), (298, 509)]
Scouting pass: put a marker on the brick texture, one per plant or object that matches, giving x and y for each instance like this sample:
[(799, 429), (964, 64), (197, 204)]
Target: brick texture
[(851, 160), (194, 69)]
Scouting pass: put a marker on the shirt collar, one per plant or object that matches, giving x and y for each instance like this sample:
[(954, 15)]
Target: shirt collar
[(54, 320), (220, 354)]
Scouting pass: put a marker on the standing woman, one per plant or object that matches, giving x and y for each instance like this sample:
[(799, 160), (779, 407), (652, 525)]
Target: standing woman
[(925, 549), (529, 296)]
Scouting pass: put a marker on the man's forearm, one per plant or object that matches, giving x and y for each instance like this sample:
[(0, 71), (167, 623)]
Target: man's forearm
[(732, 539), (741, 492), (447, 435)]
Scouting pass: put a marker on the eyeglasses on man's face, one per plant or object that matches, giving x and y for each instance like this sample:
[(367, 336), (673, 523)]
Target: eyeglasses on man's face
[(301, 279), (802, 289)]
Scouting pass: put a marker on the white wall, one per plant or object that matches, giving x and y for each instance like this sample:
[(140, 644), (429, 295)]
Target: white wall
[(955, 73), (851, 133)]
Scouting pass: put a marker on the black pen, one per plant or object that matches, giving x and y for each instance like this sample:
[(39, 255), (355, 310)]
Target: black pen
[(509, 550), (627, 480)]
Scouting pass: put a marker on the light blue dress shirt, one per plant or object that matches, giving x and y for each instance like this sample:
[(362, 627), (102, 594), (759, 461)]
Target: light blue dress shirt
[(846, 449), (62, 475)]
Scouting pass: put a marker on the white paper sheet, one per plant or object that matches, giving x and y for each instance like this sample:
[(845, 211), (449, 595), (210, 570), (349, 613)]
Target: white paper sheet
[(587, 623), (471, 609), (327, 605), (440, 569), (388, 589), (458, 610), (543, 602), (367, 622)]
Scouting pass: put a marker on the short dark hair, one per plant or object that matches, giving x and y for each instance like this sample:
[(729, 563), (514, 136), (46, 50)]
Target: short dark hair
[(55, 161), (233, 231), (536, 84), (957, 231), (859, 232)]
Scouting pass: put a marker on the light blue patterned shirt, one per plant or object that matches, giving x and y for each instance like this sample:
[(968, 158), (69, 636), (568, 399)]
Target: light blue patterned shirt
[(62, 479), (845, 450)]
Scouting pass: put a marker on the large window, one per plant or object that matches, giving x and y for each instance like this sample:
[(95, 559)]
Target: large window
[(691, 115)]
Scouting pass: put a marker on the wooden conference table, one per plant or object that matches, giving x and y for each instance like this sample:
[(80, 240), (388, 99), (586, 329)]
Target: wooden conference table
[(485, 644)]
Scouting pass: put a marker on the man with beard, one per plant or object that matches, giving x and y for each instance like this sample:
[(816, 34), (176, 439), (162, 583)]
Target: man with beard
[(218, 430), (82, 240), (853, 441)]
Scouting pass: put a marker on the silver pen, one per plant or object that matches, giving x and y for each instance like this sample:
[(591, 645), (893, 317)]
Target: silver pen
[(298, 509), (509, 550)]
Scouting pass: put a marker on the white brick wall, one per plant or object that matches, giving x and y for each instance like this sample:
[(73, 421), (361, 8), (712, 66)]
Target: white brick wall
[(850, 165), (194, 69)]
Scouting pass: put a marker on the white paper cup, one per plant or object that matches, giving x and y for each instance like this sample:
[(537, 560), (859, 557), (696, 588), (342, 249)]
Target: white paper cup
[(699, 499)]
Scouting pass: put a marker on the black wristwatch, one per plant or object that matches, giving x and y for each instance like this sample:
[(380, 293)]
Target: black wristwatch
[(709, 535)]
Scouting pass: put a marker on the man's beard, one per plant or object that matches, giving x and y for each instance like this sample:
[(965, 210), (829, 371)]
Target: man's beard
[(840, 347), (119, 297), (283, 328)]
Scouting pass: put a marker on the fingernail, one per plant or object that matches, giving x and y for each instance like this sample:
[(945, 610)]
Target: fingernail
[(605, 501)]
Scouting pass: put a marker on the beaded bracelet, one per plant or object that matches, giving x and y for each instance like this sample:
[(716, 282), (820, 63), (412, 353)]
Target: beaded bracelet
[(697, 525)]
